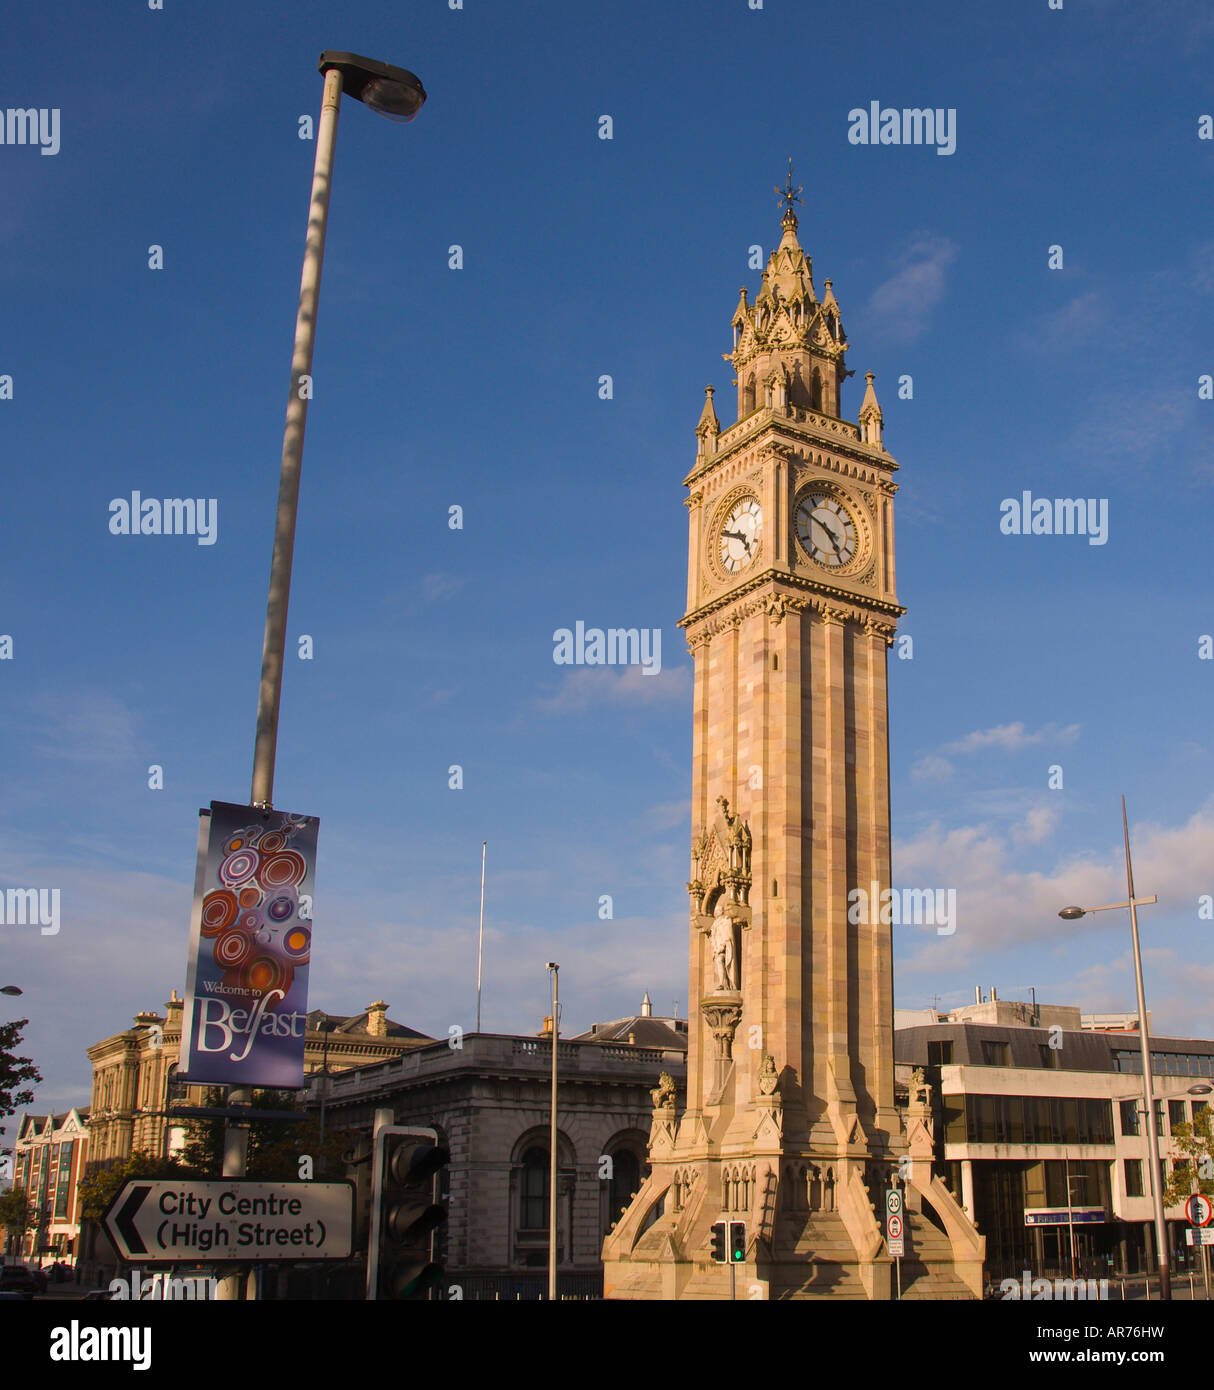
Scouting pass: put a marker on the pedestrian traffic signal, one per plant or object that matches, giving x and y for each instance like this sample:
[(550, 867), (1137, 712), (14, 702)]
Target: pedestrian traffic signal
[(737, 1242), (405, 1213), (720, 1242)]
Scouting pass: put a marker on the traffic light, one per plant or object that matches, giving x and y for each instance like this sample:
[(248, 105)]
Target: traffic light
[(737, 1242), (404, 1213), (720, 1241)]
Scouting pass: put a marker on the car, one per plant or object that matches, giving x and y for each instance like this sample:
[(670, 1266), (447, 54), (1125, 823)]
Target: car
[(22, 1279), (95, 1295)]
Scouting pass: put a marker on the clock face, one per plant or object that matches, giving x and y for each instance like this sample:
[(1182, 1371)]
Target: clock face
[(826, 529), (741, 532)]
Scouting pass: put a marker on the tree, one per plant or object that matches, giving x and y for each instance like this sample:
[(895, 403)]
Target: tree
[(16, 1212), (15, 1072), (278, 1150), (99, 1188), (1195, 1142)]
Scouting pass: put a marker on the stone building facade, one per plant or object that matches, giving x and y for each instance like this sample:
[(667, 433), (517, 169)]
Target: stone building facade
[(489, 1101), (49, 1157)]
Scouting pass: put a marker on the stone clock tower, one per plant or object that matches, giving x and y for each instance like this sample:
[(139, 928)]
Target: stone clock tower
[(790, 1124)]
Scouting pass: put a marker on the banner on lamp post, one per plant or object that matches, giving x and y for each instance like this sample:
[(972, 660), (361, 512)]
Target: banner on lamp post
[(246, 1003)]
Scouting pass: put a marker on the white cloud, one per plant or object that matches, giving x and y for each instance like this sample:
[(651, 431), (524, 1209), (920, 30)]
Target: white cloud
[(584, 686), (932, 769), (903, 304), (1011, 738)]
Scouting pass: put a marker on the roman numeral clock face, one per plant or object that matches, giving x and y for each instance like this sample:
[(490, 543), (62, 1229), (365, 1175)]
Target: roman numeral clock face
[(826, 530), (740, 534)]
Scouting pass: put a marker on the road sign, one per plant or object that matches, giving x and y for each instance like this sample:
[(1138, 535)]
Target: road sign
[(232, 1219), (1205, 1232), (893, 1201), (893, 1227), (1199, 1210), (897, 1247)]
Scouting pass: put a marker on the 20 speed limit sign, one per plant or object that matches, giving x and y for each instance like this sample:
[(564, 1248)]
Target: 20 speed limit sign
[(1199, 1210), (893, 1201)]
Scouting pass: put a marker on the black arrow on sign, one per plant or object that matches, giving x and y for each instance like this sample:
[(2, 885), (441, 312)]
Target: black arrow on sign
[(124, 1220)]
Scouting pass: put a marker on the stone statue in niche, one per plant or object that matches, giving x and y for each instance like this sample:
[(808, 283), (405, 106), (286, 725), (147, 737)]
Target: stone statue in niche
[(724, 949)]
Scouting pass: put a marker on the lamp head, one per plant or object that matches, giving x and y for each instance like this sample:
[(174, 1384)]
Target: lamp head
[(1072, 914), (393, 92)]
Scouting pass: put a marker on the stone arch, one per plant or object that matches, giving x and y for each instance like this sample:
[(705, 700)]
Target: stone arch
[(628, 1151)]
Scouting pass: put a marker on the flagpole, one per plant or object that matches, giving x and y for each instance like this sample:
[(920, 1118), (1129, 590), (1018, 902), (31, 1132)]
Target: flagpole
[(480, 940)]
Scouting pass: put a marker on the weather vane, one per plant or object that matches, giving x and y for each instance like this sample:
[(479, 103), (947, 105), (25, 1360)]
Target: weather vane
[(789, 196)]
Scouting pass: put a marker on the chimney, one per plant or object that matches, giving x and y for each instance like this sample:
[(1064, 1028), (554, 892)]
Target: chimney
[(632, 1039), (977, 994), (175, 1005), (646, 1006), (994, 994), (377, 1019)]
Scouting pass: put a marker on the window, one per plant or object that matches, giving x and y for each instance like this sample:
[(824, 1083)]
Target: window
[(1176, 1115), (994, 1054), (533, 1191), (1049, 1055), (1129, 1117), (625, 1180), (1133, 1177), (940, 1054)]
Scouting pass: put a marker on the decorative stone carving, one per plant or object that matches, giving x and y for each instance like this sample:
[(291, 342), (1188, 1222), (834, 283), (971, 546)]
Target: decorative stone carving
[(664, 1094), (724, 949), (722, 1012), (768, 1079)]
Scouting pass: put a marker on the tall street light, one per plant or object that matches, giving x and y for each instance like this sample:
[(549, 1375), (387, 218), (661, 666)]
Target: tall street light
[(554, 970), (398, 95), (1071, 914)]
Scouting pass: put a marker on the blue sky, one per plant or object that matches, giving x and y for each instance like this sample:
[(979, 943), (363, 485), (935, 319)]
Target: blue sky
[(479, 388)]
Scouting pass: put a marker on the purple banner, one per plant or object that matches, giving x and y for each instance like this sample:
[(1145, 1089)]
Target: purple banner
[(250, 942)]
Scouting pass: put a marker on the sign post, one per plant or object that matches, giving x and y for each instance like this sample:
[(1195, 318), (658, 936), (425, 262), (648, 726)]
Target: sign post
[(1200, 1211), (159, 1220), (894, 1237)]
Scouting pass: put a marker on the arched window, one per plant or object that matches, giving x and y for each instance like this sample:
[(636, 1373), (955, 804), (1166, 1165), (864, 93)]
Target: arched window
[(815, 390), (533, 1191), (748, 395), (625, 1180)]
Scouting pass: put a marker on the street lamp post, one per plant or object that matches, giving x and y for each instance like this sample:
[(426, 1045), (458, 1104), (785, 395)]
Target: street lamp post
[(397, 94), (554, 969), (1070, 914)]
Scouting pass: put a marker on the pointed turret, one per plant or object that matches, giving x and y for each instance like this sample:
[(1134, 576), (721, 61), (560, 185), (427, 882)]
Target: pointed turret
[(870, 415), (788, 347), (709, 427)]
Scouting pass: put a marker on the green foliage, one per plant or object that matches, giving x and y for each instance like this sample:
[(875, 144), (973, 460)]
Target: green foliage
[(1194, 1142), (98, 1189), (15, 1072), (16, 1211), (276, 1147)]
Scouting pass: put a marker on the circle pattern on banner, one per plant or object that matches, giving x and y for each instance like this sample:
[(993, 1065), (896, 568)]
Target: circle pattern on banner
[(296, 944), (233, 948), (249, 896), (282, 907), (272, 841), (239, 867), (219, 911), (250, 921), (263, 973), (283, 870)]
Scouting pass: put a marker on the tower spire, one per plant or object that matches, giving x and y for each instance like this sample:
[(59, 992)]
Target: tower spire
[(789, 196)]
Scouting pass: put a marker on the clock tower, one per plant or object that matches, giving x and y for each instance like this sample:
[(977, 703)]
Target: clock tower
[(790, 1123)]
